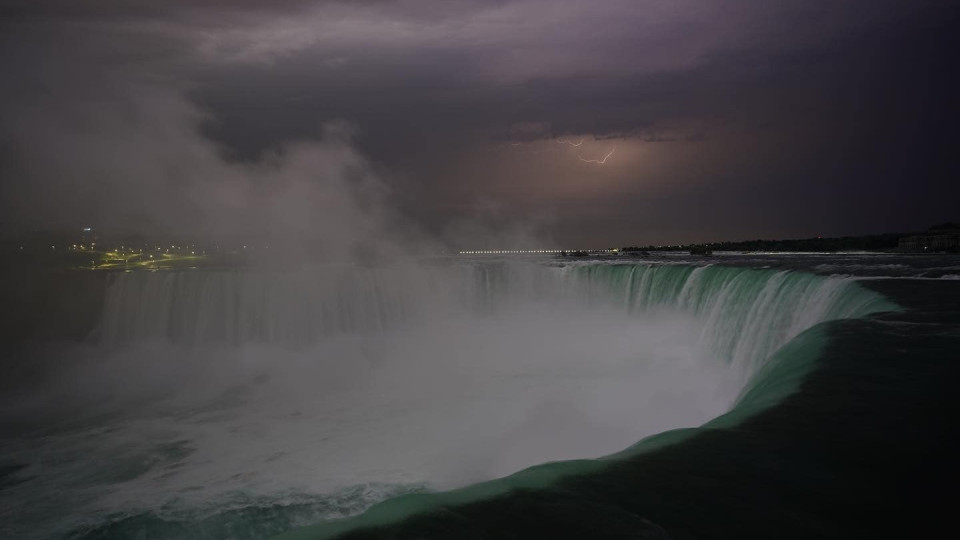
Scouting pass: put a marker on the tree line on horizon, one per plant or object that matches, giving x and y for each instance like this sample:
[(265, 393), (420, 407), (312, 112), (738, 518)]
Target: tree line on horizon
[(876, 242), (873, 242)]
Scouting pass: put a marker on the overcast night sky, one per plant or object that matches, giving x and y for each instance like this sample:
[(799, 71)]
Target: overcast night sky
[(604, 123)]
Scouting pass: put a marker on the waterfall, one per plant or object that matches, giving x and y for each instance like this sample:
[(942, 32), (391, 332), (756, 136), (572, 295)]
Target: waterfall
[(748, 313)]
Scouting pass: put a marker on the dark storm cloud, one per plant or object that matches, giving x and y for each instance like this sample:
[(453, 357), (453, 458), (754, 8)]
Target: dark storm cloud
[(729, 119)]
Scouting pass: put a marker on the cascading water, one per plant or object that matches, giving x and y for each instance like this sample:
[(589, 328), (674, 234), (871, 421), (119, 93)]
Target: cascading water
[(747, 313), (214, 390)]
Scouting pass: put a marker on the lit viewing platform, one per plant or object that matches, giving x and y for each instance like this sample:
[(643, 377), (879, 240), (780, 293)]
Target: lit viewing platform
[(534, 251)]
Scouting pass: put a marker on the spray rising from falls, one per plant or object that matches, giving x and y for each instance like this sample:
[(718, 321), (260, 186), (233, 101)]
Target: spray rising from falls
[(318, 380), (499, 366), (746, 313)]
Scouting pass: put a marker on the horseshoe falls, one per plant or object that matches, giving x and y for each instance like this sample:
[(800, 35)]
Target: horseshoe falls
[(459, 397)]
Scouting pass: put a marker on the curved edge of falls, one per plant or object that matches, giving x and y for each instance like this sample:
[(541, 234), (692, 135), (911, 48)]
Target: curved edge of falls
[(771, 323)]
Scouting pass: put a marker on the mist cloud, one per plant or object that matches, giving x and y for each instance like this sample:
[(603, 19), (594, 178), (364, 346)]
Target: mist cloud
[(122, 148)]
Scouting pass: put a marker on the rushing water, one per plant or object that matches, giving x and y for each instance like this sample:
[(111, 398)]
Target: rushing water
[(244, 403)]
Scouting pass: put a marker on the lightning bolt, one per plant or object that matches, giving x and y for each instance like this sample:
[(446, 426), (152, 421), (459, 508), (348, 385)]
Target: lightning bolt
[(598, 161), (563, 141)]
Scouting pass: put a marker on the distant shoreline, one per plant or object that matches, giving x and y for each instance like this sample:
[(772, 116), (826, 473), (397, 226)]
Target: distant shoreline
[(939, 238)]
